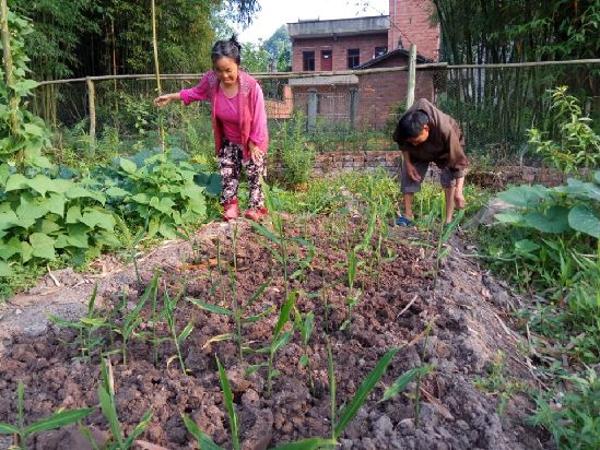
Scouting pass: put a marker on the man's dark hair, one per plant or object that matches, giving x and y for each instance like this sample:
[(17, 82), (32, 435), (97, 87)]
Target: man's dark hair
[(230, 48), (411, 124)]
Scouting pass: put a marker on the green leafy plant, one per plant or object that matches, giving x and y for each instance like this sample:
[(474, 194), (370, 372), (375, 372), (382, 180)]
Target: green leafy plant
[(296, 155), (57, 420), (42, 218), (576, 145), (160, 194)]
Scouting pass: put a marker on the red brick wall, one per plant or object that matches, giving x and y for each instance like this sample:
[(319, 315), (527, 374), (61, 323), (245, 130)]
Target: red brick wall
[(410, 23), (379, 94), (339, 46)]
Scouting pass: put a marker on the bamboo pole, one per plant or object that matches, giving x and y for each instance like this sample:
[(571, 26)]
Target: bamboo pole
[(412, 76), (286, 75), (8, 67), (92, 113), (157, 73)]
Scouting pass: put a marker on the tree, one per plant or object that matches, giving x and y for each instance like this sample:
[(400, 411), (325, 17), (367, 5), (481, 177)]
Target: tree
[(279, 46)]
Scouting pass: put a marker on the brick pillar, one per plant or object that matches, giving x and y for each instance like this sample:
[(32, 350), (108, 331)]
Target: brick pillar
[(410, 24)]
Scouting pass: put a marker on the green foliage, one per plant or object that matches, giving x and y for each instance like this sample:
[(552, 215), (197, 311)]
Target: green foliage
[(42, 218), (160, 194), (575, 420), (255, 58), (575, 144), (279, 47), (57, 420), (292, 150), (574, 207), (23, 135)]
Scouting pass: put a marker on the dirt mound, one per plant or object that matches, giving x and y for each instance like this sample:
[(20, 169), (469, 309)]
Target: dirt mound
[(395, 308)]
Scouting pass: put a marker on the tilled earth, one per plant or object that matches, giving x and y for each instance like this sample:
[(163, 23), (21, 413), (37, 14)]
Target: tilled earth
[(461, 329)]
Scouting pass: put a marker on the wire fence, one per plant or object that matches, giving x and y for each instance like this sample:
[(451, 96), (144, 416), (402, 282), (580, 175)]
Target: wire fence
[(347, 111)]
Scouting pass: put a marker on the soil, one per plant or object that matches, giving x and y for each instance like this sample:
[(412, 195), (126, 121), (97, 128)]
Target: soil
[(468, 316)]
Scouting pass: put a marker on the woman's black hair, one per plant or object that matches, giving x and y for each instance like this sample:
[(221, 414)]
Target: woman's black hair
[(230, 48), (411, 124)]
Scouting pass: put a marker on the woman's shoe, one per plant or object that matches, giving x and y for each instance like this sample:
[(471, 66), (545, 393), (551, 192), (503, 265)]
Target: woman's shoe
[(231, 210), (256, 214)]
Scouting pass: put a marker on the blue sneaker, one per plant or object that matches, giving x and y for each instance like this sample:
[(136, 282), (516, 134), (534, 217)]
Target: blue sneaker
[(402, 221)]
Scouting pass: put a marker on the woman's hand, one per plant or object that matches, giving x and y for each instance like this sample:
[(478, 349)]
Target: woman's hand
[(256, 153), (165, 99)]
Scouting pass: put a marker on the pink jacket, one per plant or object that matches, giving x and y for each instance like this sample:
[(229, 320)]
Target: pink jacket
[(253, 117)]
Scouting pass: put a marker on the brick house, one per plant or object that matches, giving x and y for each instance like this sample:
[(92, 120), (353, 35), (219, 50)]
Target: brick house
[(360, 43)]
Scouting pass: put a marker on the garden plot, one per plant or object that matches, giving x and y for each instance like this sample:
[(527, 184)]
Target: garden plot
[(272, 304)]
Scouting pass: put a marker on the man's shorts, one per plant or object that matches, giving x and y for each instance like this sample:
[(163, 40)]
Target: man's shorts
[(408, 185)]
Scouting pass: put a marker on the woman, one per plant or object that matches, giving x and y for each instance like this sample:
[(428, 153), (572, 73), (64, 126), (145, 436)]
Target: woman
[(239, 122)]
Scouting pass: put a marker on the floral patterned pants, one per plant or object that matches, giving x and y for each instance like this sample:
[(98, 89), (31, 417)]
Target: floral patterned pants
[(230, 164)]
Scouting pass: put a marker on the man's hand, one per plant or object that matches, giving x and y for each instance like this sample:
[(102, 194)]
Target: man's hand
[(459, 199), (412, 172)]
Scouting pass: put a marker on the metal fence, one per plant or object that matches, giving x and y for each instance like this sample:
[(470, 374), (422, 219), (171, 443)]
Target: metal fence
[(350, 110)]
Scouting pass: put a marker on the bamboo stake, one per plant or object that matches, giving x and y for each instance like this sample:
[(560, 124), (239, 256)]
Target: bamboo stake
[(157, 71), (92, 113), (412, 76), (8, 66)]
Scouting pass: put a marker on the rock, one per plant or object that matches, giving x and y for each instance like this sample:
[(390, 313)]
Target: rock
[(485, 216)]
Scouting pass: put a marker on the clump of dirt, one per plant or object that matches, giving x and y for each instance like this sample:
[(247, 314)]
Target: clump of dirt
[(459, 329)]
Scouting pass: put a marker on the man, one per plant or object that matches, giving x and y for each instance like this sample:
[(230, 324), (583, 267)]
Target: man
[(425, 134)]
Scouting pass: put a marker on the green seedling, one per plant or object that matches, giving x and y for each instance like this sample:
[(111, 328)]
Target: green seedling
[(132, 320), (354, 294), (305, 323), (230, 312), (170, 304), (86, 327), (108, 406), (280, 338), (204, 441), (22, 433), (403, 380)]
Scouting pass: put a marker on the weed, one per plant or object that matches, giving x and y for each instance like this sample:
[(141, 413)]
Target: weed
[(498, 384)]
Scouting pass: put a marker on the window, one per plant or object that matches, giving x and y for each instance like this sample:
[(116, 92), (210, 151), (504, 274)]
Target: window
[(380, 51), (353, 57), (308, 61)]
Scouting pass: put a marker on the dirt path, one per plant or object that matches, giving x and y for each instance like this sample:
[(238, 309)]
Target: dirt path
[(468, 314)]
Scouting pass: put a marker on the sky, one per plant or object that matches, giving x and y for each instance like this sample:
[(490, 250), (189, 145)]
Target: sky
[(275, 13)]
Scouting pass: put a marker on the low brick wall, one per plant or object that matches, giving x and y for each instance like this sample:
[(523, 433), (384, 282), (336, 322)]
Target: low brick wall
[(347, 161), (498, 178)]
